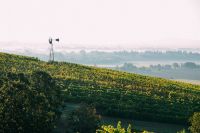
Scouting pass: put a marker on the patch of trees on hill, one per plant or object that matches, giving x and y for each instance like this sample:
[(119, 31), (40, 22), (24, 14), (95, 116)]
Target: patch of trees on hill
[(29, 103), (187, 65), (187, 70)]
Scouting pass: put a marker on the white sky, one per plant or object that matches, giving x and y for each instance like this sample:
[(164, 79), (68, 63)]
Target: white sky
[(166, 23)]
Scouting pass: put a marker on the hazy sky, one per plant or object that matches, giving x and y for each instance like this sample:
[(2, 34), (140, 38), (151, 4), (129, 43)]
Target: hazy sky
[(103, 22)]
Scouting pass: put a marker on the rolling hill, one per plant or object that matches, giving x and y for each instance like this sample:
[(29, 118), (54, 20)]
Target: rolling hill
[(115, 93)]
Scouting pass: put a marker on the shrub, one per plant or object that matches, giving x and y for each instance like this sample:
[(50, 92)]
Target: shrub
[(195, 123), (111, 129), (83, 120)]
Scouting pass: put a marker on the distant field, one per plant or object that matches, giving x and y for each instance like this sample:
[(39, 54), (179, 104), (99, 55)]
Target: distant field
[(197, 82)]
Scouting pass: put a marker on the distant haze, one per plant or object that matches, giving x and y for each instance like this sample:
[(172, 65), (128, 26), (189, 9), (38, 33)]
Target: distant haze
[(105, 23)]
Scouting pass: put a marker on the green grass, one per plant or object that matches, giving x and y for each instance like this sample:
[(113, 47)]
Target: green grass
[(115, 93)]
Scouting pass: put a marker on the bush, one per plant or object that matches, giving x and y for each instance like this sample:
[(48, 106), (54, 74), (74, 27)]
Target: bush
[(119, 129), (195, 123), (111, 129), (182, 131), (83, 120)]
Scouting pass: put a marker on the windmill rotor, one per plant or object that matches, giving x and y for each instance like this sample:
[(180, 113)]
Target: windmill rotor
[(57, 39)]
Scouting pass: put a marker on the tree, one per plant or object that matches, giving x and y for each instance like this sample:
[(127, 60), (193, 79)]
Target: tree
[(128, 67), (29, 103), (195, 123), (175, 65), (83, 120), (190, 65)]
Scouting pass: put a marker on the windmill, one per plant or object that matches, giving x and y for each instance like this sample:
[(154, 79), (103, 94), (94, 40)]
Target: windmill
[(51, 56)]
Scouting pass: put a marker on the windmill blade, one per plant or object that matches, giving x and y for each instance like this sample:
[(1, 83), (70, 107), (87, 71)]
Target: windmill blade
[(50, 40), (57, 39)]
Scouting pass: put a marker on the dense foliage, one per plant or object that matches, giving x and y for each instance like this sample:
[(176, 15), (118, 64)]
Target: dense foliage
[(111, 129), (118, 129), (116, 93), (182, 131), (195, 123), (28, 103), (83, 120)]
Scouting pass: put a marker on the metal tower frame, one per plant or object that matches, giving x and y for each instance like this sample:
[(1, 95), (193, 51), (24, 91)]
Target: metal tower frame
[(51, 55)]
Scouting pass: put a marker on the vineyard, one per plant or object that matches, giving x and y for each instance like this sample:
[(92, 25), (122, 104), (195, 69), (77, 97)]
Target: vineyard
[(115, 93)]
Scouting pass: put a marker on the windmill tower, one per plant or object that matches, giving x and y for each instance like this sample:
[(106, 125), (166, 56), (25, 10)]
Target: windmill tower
[(51, 55)]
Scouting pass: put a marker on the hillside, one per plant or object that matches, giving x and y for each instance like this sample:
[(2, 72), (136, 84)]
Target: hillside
[(115, 93)]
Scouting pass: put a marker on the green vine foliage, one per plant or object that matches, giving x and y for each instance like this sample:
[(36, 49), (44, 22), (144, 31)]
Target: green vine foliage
[(118, 129), (111, 129), (115, 93)]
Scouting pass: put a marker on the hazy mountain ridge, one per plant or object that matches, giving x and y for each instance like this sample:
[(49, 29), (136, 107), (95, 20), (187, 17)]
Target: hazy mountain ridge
[(103, 55)]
